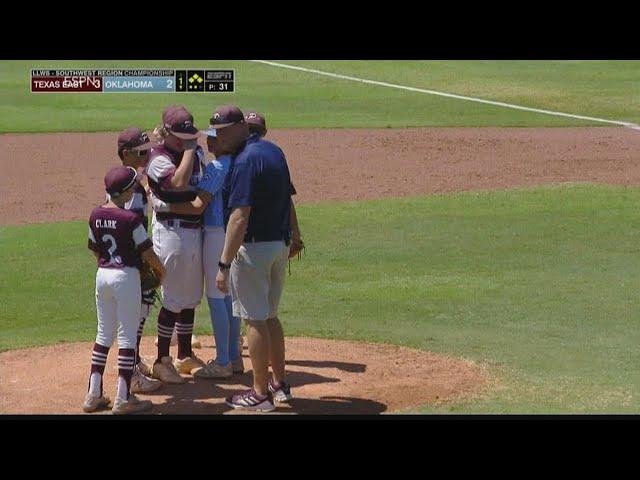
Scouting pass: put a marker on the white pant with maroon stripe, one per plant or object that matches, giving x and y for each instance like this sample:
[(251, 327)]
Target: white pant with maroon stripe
[(180, 251), (118, 306)]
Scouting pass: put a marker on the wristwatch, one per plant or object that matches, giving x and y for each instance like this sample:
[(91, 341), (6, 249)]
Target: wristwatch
[(224, 266)]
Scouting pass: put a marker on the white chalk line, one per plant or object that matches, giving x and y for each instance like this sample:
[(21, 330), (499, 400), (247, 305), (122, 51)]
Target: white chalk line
[(448, 95)]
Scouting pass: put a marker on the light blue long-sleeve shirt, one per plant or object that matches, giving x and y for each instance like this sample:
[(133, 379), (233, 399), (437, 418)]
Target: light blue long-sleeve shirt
[(212, 181)]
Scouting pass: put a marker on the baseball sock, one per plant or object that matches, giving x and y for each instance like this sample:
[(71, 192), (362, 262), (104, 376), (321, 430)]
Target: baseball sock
[(140, 329), (220, 323), (98, 362), (234, 330), (166, 321), (126, 362), (184, 329)]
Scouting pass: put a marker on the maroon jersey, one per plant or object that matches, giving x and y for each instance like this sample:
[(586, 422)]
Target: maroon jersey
[(118, 236), (160, 170)]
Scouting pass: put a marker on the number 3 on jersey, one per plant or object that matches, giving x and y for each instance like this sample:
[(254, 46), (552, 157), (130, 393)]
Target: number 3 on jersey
[(113, 259)]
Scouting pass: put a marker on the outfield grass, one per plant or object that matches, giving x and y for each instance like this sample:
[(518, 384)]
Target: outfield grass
[(298, 100), (538, 285), (604, 89)]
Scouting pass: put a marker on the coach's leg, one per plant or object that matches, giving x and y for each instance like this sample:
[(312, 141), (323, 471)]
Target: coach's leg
[(259, 341), (276, 286), (276, 349), (250, 292), (235, 351)]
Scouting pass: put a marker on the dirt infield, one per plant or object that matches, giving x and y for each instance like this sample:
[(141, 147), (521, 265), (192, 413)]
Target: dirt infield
[(58, 177), (327, 377)]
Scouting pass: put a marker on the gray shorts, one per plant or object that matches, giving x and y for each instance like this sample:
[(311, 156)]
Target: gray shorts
[(257, 279)]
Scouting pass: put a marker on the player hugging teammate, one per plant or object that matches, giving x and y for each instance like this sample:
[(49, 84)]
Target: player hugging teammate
[(187, 196), (175, 168)]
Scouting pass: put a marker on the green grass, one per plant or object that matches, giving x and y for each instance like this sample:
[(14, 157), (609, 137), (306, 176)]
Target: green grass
[(604, 89), (608, 89), (540, 286)]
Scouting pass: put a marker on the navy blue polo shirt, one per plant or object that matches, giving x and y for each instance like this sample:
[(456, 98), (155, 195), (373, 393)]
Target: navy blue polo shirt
[(259, 178)]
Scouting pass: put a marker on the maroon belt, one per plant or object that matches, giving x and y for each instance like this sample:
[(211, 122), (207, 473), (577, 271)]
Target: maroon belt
[(174, 222)]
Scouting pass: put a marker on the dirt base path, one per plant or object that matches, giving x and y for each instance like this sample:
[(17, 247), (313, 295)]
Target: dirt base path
[(58, 177)]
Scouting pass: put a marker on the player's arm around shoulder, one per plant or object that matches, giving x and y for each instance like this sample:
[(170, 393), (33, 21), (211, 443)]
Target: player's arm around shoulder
[(212, 180)]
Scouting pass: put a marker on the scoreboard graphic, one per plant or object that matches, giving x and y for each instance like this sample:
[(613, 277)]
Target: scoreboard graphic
[(132, 81)]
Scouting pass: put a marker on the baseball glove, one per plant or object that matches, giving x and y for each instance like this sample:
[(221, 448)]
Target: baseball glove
[(148, 279), (296, 248)]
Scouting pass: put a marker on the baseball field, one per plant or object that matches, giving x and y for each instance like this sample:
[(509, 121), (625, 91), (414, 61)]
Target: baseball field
[(462, 256)]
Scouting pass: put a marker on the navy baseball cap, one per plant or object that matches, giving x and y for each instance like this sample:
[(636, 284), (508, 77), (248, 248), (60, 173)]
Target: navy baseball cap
[(225, 116), (179, 122), (134, 139), (120, 179)]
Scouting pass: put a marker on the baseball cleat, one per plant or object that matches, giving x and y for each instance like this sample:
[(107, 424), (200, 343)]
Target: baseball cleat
[(281, 393), (131, 406), (188, 364), (214, 370), (142, 384), (251, 401), (93, 403), (166, 372), (143, 368)]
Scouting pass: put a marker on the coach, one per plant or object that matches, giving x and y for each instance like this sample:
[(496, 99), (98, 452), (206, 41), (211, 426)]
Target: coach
[(257, 194)]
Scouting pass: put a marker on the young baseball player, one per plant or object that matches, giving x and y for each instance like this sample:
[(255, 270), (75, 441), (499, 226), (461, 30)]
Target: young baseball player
[(175, 168), (226, 327), (133, 151), (257, 124), (119, 241)]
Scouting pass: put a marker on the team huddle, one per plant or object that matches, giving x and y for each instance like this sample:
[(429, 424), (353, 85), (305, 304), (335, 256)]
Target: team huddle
[(225, 228)]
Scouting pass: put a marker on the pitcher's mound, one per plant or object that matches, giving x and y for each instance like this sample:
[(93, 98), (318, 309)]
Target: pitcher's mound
[(327, 377)]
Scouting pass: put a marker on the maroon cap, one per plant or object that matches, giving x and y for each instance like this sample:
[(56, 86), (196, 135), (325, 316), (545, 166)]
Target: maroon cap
[(179, 122), (256, 120), (134, 139), (226, 115), (120, 179)]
